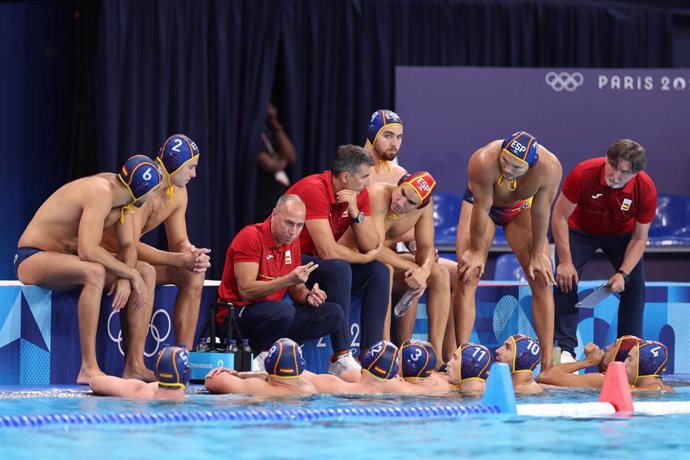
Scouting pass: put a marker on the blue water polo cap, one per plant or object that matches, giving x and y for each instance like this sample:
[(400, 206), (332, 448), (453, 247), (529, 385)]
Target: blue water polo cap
[(475, 361), (177, 150), (284, 359), (381, 360), (379, 120), (141, 176), (172, 368), (651, 359), (527, 353), (523, 146), (418, 359)]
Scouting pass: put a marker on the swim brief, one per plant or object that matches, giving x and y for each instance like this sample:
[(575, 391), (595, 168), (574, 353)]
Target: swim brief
[(502, 216)]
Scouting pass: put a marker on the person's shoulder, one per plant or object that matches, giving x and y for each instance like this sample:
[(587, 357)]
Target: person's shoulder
[(250, 232), (308, 182), (380, 191), (99, 183), (549, 160), (487, 152), (643, 180)]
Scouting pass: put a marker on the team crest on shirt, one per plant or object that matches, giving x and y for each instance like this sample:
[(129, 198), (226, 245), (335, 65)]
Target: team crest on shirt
[(626, 204), (288, 257)]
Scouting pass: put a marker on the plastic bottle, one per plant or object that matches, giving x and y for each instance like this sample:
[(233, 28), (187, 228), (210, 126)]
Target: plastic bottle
[(203, 344), (556, 354), (246, 355), (404, 303)]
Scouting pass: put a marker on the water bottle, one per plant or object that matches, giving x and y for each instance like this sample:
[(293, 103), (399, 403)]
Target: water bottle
[(203, 344), (246, 355), (404, 303), (232, 346), (556, 354)]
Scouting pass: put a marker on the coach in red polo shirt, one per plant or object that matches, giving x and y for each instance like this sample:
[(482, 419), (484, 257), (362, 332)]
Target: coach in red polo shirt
[(261, 265), (338, 202), (608, 204)]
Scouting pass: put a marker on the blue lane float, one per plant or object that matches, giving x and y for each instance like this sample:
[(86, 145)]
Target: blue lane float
[(260, 416)]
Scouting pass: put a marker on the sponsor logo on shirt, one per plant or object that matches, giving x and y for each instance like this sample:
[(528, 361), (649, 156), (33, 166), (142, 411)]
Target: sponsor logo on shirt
[(597, 195)]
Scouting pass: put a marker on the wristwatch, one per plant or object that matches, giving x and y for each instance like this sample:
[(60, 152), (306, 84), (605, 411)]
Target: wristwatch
[(359, 219), (626, 276)]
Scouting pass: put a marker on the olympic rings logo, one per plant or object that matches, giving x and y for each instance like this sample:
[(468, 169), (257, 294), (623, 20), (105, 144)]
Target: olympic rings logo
[(564, 81), (153, 330)]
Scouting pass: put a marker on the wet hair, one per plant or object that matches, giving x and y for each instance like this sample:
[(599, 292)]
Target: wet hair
[(627, 150), (349, 158)]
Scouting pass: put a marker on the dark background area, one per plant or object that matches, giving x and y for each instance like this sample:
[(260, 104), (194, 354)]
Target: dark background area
[(84, 84)]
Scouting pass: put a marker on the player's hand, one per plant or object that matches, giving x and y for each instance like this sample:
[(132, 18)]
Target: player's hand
[(202, 260), (372, 254), (122, 290), (593, 354), (316, 296), (139, 291), (220, 370), (301, 274), (350, 197), (415, 278), (566, 277), (617, 283), (470, 262), (541, 263)]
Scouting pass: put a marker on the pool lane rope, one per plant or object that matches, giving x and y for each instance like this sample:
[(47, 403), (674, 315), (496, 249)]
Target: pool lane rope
[(498, 398), (265, 416)]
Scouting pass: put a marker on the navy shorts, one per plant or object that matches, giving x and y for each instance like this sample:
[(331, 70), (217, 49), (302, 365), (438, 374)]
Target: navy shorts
[(21, 255)]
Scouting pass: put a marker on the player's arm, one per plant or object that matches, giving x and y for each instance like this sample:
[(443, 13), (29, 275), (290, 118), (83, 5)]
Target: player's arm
[(322, 236), (107, 385), (559, 227), (541, 207), (366, 236), (222, 381), (424, 238), (379, 211), (482, 187), (97, 206), (566, 273)]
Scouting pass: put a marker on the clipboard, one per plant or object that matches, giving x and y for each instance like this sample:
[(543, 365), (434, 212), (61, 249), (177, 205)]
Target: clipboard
[(596, 296)]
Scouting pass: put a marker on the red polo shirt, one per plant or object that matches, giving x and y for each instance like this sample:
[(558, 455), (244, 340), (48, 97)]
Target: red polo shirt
[(254, 243), (317, 193), (602, 210)]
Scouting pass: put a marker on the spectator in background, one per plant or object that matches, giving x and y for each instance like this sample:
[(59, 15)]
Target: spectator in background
[(606, 203), (276, 154)]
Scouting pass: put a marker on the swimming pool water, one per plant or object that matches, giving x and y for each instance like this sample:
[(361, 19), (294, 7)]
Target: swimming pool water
[(476, 436)]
